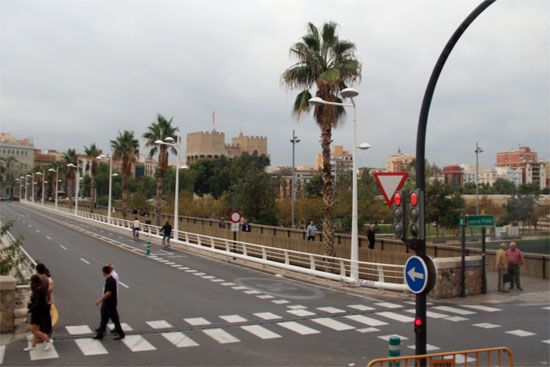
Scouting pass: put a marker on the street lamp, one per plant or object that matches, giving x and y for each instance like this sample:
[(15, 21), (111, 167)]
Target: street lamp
[(170, 142), (56, 170), (294, 141), (26, 185), (32, 188), (109, 207), (71, 165), (42, 175), (354, 256), (477, 151)]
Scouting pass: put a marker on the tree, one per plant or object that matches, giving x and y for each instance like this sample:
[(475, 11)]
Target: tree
[(256, 197), (329, 64), (126, 148), (521, 208), (504, 187), (69, 157), (442, 208), (314, 187), (92, 152), (160, 130)]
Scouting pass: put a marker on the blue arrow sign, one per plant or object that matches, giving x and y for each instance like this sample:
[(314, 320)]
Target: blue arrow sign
[(416, 274)]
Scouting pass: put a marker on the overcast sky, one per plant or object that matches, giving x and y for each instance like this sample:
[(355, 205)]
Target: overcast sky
[(75, 72)]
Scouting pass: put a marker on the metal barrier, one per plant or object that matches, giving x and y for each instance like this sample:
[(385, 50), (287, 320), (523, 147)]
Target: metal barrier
[(374, 275), (498, 356)]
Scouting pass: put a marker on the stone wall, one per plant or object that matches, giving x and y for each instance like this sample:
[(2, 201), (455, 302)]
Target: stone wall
[(7, 304), (448, 276)]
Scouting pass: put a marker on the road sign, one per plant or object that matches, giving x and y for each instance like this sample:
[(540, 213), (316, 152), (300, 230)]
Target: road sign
[(416, 274), (480, 220), (235, 216), (234, 227), (390, 183)]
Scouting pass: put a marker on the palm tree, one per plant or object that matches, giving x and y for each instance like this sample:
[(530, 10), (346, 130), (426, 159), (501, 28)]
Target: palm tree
[(70, 175), (92, 152), (60, 168), (159, 130), (125, 148), (328, 64)]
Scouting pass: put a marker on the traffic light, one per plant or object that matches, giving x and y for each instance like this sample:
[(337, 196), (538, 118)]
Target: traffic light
[(418, 325), (417, 215), (400, 215)]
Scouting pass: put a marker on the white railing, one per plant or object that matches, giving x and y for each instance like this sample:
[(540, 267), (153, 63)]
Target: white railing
[(373, 275)]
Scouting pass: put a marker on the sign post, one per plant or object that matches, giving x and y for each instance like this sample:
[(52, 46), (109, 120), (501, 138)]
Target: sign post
[(482, 221)]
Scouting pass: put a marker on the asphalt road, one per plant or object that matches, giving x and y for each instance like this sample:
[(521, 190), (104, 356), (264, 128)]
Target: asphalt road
[(183, 309)]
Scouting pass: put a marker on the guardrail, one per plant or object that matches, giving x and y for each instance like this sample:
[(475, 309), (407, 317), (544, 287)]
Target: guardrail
[(373, 275)]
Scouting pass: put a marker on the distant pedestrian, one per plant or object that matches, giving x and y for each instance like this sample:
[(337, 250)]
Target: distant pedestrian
[(135, 228), (44, 274), (109, 302), (166, 233), (311, 229), (371, 236), (515, 262), (38, 308), (501, 266), (221, 223), (114, 274), (246, 226)]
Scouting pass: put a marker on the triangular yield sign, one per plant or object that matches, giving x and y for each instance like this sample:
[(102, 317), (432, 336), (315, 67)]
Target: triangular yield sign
[(390, 183)]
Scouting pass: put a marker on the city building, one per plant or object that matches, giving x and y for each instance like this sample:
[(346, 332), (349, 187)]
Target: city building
[(399, 162), (145, 166), (453, 176), (17, 159), (283, 177), (532, 170), (341, 161)]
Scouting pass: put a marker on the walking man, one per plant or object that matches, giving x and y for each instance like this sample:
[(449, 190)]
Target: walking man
[(502, 266), (515, 261), (108, 303)]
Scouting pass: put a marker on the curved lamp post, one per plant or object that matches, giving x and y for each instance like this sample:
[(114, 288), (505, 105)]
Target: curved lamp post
[(176, 145)]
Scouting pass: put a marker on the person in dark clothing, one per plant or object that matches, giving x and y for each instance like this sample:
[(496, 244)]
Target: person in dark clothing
[(246, 226), (45, 276), (371, 236), (38, 308), (108, 303), (166, 233)]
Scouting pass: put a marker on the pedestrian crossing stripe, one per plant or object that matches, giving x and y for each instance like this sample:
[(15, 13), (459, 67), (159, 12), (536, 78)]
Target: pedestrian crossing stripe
[(233, 318), (455, 310), (260, 331), (369, 321), (331, 310), (301, 313), (78, 330), (161, 324), (90, 347), (38, 353), (388, 305), (332, 324), (179, 339), (298, 328), (137, 343), (221, 336), (197, 321), (395, 316), (482, 308)]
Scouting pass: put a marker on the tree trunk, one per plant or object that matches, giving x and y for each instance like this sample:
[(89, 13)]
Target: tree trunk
[(328, 192)]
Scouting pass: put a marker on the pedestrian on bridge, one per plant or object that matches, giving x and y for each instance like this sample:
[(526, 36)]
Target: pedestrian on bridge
[(44, 274), (515, 262), (502, 266), (166, 233), (310, 231), (109, 301), (39, 310)]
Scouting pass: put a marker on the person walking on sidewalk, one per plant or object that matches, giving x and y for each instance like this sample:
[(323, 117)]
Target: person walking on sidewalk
[(515, 262), (136, 227), (108, 303), (38, 308), (46, 278), (502, 266)]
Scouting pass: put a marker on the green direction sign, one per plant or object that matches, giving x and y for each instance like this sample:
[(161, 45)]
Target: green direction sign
[(480, 220)]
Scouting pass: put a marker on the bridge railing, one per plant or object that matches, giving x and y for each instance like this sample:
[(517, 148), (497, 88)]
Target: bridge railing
[(374, 275)]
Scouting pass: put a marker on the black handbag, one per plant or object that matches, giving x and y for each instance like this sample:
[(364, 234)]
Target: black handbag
[(506, 278)]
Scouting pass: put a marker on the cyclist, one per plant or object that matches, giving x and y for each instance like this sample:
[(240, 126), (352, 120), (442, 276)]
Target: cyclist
[(136, 228), (166, 233)]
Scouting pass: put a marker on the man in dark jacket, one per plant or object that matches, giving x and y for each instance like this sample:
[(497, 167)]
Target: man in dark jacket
[(166, 233), (371, 236), (108, 303)]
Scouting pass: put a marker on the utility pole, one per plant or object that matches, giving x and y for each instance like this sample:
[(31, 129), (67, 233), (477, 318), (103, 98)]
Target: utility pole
[(477, 151)]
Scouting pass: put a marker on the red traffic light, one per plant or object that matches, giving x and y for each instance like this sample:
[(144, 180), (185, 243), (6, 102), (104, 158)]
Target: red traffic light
[(414, 198), (417, 322), (397, 198)]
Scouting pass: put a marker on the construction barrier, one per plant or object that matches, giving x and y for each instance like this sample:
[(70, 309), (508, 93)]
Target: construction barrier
[(499, 356)]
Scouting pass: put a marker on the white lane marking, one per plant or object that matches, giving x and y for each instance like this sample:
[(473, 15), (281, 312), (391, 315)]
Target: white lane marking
[(226, 284), (216, 280), (521, 333), (265, 296), (301, 313), (90, 347), (482, 308), (233, 318), (2, 352), (184, 267), (267, 316), (456, 318), (388, 305), (160, 324), (547, 341), (252, 292), (85, 261), (123, 325), (239, 288), (546, 308), (331, 310), (79, 330), (396, 316), (37, 231), (175, 265), (136, 343), (191, 271), (368, 330), (387, 337), (63, 247), (297, 307), (298, 328), (333, 324), (361, 307), (433, 315), (39, 353), (30, 226), (221, 336), (486, 325), (180, 340), (429, 347), (454, 310), (170, 263), (197, 321), (123, 284), (280, 301), (366, 320), (260, 332), (208, 277), (199, 274), (48, 237)]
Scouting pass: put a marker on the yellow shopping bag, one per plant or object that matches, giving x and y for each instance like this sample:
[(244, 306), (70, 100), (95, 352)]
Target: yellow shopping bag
[(54, 314)]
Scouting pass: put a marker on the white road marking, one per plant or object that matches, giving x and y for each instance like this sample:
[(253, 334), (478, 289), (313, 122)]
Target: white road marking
[(260, 332), (361, 307), (199, 274), (79, 330), (280, 301), (547, 341), (239, 288), (521, 333), (482, 308), (546, 308), (333, 324), (460, 359), (136, 343), (331, 310), (433, 315), (63, 247), (184, 267), (208, 277), (301, 313), (456, 318), (486, 325), (2, 352), (396, 316), (191, 271), (368, 330), (388, 305), (180, 340), (297, 307), (160, 324), (252, 292), (123, 284), (48, 237), (233, 318), (298, 328), (267, 316), (216, 280), (85, 261), (454, 310), (175, 265), (197, 321), (37, 231), (226, 284), (90, 347), (366, 320), (221, 336), (170, 263), (265, 296), (387, 337), (429, 347), (39, 353), (123, 325)]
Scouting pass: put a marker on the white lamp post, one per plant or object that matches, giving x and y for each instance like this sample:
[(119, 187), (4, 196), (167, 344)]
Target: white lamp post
[(109, 207), (170, 142), (42, 175), (294, 141), (56, 170), (20, 180), (26, 186), (477, 151), (32, 188), (354, 256), (70, 165)]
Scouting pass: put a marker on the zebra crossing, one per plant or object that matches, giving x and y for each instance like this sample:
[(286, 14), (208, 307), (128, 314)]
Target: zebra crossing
[(295, 320)]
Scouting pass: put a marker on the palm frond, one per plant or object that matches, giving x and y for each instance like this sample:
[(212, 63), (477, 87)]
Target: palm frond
[(301, 104)]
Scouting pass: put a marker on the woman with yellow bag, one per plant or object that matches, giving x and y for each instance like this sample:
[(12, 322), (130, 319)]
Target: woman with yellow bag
[(46, 277)]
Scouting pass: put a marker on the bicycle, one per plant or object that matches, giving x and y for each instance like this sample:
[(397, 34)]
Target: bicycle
[(166, 243), (135, 234)]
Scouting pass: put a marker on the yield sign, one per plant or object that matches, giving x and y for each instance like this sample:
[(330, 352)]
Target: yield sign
[(390, 183)]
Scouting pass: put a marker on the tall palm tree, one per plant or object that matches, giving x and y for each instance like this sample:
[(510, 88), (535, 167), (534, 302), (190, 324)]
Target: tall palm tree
[(91, 153), (327, 65), (125, 148), (159, 130), (70, 174)]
